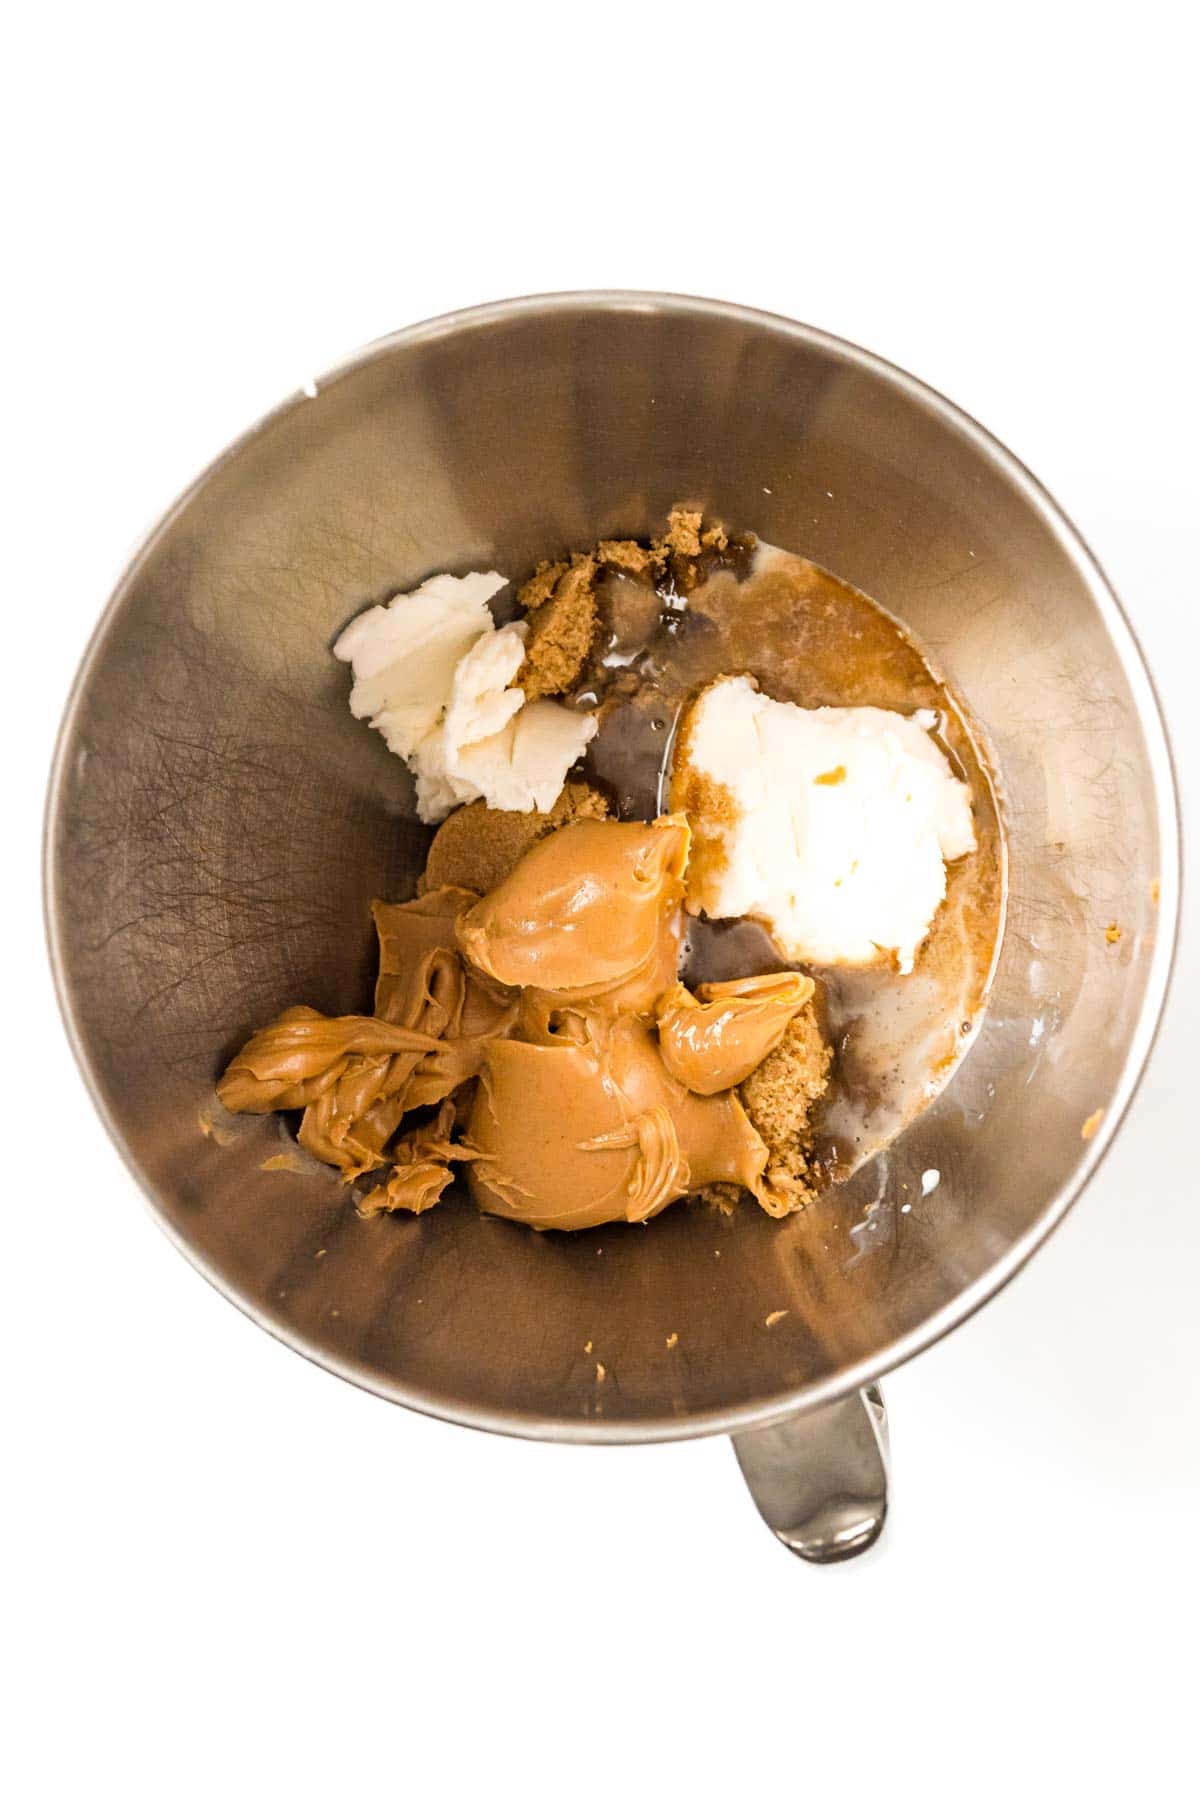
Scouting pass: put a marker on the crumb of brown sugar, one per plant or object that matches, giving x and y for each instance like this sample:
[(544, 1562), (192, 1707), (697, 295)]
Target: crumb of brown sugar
[(774, 1317), (709, 804), (682, 536), (601, 1371), (1155, 891), (672, 1340), (1112, 933), (629, 556), (1091, 1124), (477, 846), (541, 584), (779, 1097), (562, 625), (288, 1164)]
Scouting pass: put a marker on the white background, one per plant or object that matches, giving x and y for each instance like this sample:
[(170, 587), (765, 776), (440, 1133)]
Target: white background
[(228, 1573)]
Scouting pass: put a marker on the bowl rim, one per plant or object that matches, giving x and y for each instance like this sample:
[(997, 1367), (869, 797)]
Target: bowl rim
[(945, 1319)]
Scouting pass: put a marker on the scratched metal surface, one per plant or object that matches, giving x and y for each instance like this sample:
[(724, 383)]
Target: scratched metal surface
[(219, 824)]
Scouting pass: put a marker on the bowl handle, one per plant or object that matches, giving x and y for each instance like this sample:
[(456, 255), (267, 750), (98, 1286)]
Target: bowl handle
[(820, 1480)]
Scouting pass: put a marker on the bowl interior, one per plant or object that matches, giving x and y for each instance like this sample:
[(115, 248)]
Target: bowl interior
[(219, 825)]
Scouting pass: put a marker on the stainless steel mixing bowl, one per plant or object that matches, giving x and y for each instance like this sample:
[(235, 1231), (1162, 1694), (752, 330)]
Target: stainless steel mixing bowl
[(218, 824)]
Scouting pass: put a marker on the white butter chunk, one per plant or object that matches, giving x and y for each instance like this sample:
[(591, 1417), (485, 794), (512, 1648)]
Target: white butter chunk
[(432, 674), (832, 825), (481, 702), (523, 768)]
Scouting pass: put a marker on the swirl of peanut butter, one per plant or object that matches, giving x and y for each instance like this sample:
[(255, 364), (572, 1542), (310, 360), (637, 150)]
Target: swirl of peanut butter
[(577, 1119), (357, 1077), (580, 1133), (592, 912), (546, 1018), (351, 1075), (714, 1038)]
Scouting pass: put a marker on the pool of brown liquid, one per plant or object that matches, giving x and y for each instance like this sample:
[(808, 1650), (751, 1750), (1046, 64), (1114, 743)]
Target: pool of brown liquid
[(807, 637)]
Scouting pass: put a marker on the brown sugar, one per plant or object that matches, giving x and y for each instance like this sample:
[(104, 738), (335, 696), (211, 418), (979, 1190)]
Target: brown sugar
[(723, 1196), (541, 584), (711, 808), (562, 626), (561, 603), (682, 536), (629, 556), (477, 847), (781, 1092), (691, 550), (779, 1097)]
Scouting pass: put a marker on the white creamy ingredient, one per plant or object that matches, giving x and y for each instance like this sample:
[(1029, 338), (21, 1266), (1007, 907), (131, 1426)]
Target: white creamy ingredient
[(432, 674), (404, 654), (844, 819)]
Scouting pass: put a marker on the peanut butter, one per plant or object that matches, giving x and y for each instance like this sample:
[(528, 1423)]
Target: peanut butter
[(593, 912), (713, 1039), (477, 846), (572, 1074), (585, 1116), (350, 1075), (576, 1134)]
